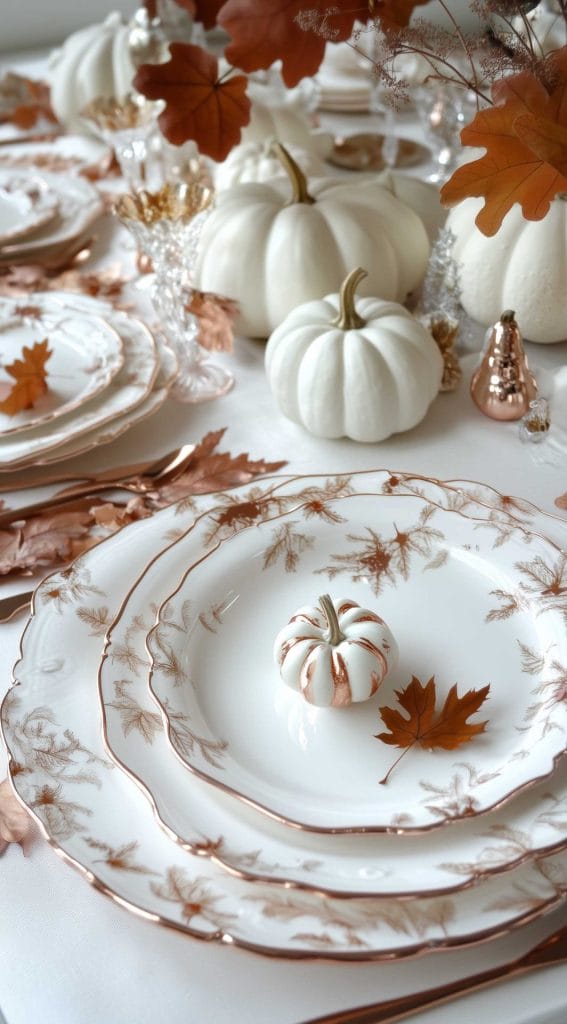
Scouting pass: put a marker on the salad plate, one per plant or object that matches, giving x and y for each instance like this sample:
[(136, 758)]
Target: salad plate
[(248, 844), (25, 205), (96, 818), (131, 385), (445, 589), (79, 205), (60, 154), (86, 354)]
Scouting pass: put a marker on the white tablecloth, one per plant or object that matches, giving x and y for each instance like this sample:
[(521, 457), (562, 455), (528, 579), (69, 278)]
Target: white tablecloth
[(69, 955)]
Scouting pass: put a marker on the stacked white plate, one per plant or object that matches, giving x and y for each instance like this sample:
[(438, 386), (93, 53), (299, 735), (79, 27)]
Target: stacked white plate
[(344, 79), (216, 801), (105, 374), (43, 215)]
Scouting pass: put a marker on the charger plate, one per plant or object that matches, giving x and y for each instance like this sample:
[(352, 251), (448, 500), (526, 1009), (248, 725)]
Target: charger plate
[(26, 204), (246, 843), (132, 384), (99, 821), (86, 354), (463, 608)]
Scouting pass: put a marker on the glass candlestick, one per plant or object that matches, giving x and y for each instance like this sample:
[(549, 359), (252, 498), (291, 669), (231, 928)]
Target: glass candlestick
[(167, 226)]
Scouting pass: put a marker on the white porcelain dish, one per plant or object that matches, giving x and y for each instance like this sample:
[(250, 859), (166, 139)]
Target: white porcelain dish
[(26, 204), (97, 819), (86, 355), (445, 587), (245, 842)]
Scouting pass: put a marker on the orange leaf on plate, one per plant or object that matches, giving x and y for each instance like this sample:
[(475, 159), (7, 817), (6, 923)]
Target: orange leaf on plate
[(199, 105), (522, 134), (31, 378), (446, 728), (267, 31), (216, 317)]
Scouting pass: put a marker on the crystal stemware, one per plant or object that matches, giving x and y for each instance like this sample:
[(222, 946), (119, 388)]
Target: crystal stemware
[(167, 226)]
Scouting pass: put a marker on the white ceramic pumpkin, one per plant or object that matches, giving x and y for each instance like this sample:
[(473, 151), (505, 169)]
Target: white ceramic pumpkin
[(335, 653), (522, 267), (256, 161), (420, 196), (362, 370), (272, 247), (93, 62)]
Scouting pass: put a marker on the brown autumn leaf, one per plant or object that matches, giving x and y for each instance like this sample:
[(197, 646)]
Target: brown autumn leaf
[(216, 316), (16, 825), (44, 540), (292, 31), (525, 138), (30, 376), (214, 471), (200, 105), (446, 728), (23, 101), (203, 11), (395, 14)]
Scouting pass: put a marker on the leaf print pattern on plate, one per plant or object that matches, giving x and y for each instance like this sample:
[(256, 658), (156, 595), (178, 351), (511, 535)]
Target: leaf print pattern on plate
[(361, 865), (315, 754), (120, 814)]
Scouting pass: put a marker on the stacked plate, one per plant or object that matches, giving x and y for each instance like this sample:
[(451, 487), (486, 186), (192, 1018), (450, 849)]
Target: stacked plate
[(216, 801), (344, 79), (105, 373), (44, 215)]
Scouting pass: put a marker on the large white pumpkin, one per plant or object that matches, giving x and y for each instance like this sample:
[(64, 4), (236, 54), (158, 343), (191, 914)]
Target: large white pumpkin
[(522, 267), (272, 247), (362, 369), (421, 196), (256, 161), (93, 62)]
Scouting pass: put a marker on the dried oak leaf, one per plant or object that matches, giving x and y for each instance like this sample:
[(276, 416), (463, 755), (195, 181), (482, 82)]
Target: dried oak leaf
[(41, 541), (199, 105), (272, 30), (394, 14), (216, 316), (214, 471), (446, 729), (23, 101), (525, 137), (16, 825), (30, 376), (203, 11)]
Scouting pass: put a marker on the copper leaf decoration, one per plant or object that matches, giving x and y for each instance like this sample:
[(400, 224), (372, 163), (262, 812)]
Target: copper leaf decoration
[(30, 376), (445, 729)]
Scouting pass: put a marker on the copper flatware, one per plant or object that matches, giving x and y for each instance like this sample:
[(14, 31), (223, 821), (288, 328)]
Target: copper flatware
[(12, 606), (552, 950), (162, 471)]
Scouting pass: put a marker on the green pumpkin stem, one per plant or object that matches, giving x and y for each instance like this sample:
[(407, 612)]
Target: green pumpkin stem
[(328, 609), (298, 181), (348, 319)]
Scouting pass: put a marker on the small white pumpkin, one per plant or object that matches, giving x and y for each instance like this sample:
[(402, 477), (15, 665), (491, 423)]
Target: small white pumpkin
[(272, 247), (522, 267), (364, 371), (336, 653), (93, 62), (256, 161)]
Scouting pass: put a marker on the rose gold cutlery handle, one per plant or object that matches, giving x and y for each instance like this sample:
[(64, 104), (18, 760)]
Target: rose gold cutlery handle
[(10, 606), (56, 504), (552, 950)]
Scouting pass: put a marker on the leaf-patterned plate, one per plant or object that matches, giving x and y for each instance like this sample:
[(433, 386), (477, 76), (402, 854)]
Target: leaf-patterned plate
[(99, 821), (248, 844), (464, 610), (86, 354)]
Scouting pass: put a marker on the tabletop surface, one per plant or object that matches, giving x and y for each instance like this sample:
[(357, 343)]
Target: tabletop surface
[(69, 954)]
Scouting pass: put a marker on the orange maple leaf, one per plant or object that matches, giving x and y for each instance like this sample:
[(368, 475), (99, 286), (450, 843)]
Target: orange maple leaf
[(447, 728), (31, 378), (394, 14), (525, 137), (199, 105), (272, 30)]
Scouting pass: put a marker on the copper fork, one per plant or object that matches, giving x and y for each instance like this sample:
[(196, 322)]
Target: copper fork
[(552, 950), (163, 471)]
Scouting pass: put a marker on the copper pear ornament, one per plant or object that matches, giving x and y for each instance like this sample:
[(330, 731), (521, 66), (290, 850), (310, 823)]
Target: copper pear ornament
[(503, 385)]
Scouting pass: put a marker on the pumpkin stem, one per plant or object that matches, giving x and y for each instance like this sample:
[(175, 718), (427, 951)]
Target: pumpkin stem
[(328, 608), (299, 190), (348, 319)]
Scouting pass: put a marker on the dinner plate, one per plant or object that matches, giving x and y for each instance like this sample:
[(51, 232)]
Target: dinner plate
[(26, 204), (79, 205), (95, 817), (246, 843), (86, 355), (131, 385), (446, 589), (77, 154)]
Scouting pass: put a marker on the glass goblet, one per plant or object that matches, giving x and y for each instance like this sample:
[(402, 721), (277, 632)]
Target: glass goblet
[(167, 226)]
